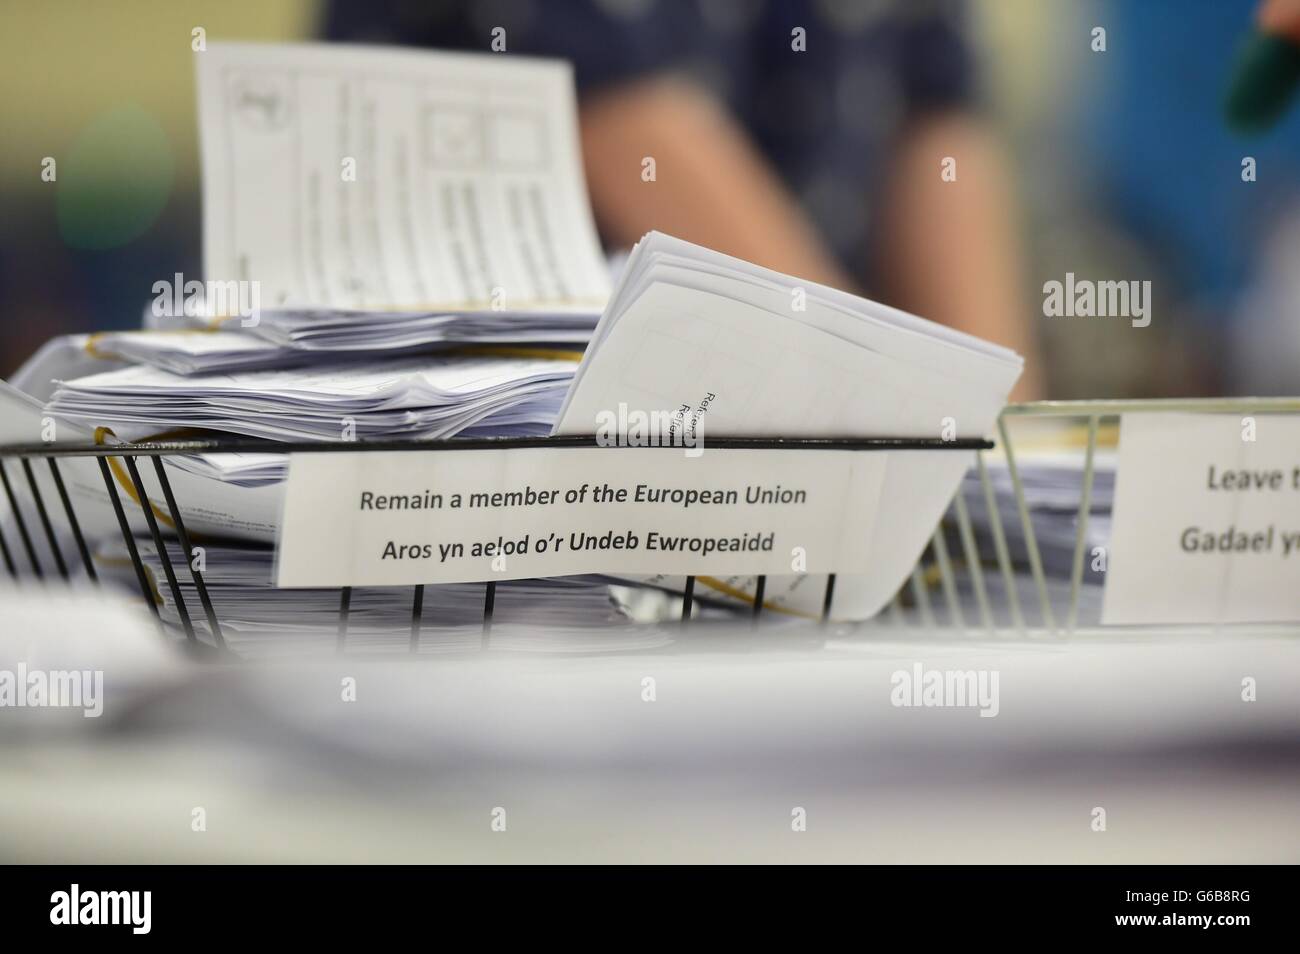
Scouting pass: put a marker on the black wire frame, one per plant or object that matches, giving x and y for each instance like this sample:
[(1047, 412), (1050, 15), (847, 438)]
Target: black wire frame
[(129, 453)]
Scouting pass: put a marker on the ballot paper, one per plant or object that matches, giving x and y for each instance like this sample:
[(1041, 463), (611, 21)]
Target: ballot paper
[(421, 398), (731, 349), (571, 614), (385, 198)]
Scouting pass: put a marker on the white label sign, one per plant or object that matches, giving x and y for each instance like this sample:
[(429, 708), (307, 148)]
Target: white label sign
[(405, 517), (1206, 524)]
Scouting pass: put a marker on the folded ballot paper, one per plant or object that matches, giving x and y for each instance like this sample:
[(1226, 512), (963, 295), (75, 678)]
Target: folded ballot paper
[(737, 350), (383, 198)]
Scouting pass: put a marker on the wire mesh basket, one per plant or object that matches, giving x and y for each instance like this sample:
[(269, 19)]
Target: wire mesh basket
[(961, 563), (122, 467), (983, 571)]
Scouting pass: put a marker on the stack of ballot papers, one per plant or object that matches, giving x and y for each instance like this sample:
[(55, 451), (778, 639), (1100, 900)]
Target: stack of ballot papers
[(459, 222), (212, 350), (385, 198), (198, 350), (572, 614), (747, 351), (421, 398), (370, 331), (1053, 486), (460, 218), (742, 350)]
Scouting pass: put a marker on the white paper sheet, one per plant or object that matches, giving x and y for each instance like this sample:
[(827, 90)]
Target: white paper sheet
[(397, 518), (686, 323), (392, 179), (1206, 526)]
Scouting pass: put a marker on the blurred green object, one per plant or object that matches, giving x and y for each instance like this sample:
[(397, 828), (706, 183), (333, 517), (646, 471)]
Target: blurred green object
[(1263, 82), (115, 180)]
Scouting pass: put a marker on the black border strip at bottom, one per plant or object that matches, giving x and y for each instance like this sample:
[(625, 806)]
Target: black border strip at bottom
[(977, 905)]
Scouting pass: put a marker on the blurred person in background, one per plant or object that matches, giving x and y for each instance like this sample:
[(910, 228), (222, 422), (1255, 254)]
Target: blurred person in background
[(1210, 211), (825, 163), (834, 140)]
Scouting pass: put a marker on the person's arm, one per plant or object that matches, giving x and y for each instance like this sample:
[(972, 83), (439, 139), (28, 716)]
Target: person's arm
[(949, 251), (711, 187)]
